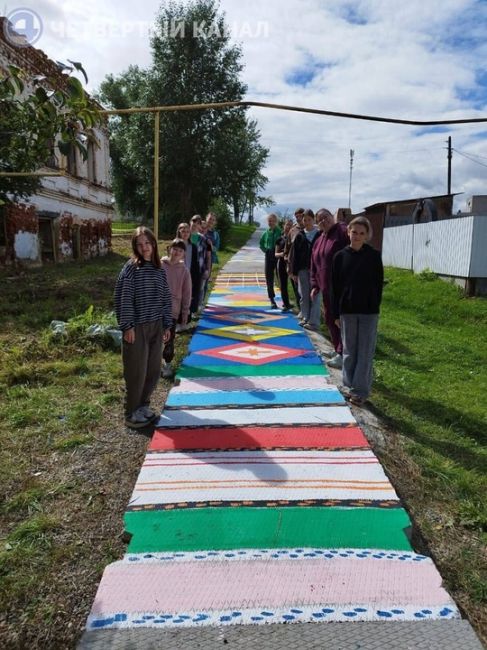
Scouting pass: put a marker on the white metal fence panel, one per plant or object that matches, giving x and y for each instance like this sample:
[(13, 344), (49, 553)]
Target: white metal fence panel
[(397, 247), (455, 247), (443, 246), (478, 264)]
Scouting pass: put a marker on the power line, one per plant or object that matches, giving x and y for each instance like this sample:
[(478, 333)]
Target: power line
[(469, 158), (475, 155)]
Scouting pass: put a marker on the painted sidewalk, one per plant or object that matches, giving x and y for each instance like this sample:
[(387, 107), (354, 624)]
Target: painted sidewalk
[(260, 503)]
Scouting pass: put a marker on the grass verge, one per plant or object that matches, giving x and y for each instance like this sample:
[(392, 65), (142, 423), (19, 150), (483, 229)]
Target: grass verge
[(430, 389), (68, 462)]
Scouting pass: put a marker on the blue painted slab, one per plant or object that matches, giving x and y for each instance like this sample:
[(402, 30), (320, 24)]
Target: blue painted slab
[(254, 398), (307, 357), (286, 321), (201, 341)]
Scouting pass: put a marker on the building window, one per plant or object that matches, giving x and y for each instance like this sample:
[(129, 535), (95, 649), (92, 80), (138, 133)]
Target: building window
[(51, 160), (71, 161), (91, 161)]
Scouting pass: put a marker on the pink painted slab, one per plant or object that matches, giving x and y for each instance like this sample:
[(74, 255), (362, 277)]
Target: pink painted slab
[(189, 586), (211, 385)]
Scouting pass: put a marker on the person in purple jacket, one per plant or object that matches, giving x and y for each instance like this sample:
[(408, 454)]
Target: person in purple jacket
[(332, 239)]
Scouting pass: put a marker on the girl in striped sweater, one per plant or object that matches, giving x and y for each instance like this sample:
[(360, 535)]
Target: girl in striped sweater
[(144, 314)]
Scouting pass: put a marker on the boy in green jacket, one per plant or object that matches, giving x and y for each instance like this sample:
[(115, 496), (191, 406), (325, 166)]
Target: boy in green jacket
[(268, 247)]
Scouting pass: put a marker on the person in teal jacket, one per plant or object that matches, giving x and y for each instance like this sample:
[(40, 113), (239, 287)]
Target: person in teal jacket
[(268, 247)]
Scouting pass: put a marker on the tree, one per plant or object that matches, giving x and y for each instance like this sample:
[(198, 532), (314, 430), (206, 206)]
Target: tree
[(38, 115), (193, 62)]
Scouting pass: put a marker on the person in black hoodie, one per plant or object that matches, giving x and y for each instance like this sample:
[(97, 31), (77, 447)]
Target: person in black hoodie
[(356, 293), (300, 263)]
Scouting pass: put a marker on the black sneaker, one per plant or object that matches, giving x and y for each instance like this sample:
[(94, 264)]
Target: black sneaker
[(274, 305)]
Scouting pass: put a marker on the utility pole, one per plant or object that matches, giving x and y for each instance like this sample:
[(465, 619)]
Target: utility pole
[(350, 184), (449, 164)]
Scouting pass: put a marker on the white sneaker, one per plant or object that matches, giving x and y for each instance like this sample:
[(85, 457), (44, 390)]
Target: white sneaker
[(167, 371), (336, 362), (137, 420)]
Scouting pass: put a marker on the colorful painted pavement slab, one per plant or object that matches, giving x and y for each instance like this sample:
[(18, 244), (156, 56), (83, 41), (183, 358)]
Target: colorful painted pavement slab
[(296, 585), (259, 477), (204, 343), (216, 384), (270, 370), (253, 398), (252, 508), (276, 527), (247, 332), (276, 437), (253, 354), (286, 416)]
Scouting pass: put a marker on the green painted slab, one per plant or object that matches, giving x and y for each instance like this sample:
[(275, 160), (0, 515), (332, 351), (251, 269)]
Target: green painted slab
[(234, 528), (268, 370)]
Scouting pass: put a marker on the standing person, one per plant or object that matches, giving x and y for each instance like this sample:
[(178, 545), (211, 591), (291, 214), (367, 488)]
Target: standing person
[(268, 247), (203, 253), (195, 261), (144, 314), (209, 261), (289, 252), (214, 235), (300, 271), (357, 281), (282, 265), (333, 238), (179, 281)]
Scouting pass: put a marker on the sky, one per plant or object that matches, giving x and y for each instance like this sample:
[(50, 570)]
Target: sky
[(419, 59)]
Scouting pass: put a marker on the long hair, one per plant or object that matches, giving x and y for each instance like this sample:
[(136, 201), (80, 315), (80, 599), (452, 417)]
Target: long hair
[(136, 256)]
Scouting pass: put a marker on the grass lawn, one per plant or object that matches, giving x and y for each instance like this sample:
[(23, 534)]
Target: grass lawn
[(68, 462), (431, 390)]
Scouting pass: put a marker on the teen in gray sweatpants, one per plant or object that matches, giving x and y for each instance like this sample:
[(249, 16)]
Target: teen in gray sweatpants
[(356, 294)]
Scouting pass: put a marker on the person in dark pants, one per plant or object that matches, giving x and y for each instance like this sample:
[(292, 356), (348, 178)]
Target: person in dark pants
[(267, 245), (357, 281), (282, 265), (289, 252), (333, 238)]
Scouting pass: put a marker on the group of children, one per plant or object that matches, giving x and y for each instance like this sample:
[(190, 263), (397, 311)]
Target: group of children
[(331, 263), (155, 298)]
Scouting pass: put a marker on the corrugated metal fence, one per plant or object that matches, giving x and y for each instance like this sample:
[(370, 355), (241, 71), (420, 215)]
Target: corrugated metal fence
[(454, 247)]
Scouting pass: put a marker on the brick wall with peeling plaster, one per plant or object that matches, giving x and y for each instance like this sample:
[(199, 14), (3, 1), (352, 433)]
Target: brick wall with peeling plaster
[(72, 237)]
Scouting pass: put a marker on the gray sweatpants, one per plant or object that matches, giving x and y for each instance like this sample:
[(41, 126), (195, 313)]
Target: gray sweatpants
[(310, 309), (142, 362), (359, 337)]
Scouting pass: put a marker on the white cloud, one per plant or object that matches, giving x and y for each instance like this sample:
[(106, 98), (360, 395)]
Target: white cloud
[(412, 60)]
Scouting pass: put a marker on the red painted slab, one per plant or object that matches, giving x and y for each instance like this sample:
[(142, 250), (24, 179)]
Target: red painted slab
[(258, 438)]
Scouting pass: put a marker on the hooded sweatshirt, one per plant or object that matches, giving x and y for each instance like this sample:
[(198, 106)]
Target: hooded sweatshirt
[(179, 280)]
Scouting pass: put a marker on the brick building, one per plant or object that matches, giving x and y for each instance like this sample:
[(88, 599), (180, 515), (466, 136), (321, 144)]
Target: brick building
[(70, 216)]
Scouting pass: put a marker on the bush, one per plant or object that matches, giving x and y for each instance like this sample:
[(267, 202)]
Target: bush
[(222, 211)]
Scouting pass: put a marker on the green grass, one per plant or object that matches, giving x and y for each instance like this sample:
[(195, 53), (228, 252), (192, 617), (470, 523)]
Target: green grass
[(68, 466), (431, 388)]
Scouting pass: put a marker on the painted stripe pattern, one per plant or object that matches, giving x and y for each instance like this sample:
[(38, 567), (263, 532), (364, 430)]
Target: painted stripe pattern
[(259, 499)]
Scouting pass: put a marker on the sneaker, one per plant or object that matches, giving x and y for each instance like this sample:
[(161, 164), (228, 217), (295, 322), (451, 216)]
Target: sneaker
[(336, 362), (328, 354), (356, 400), (147, 412), (299, 315), (286, 309), (274, 305), (344, 390), (303, 322), (167, 371), (137, 420), (311, 328)]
